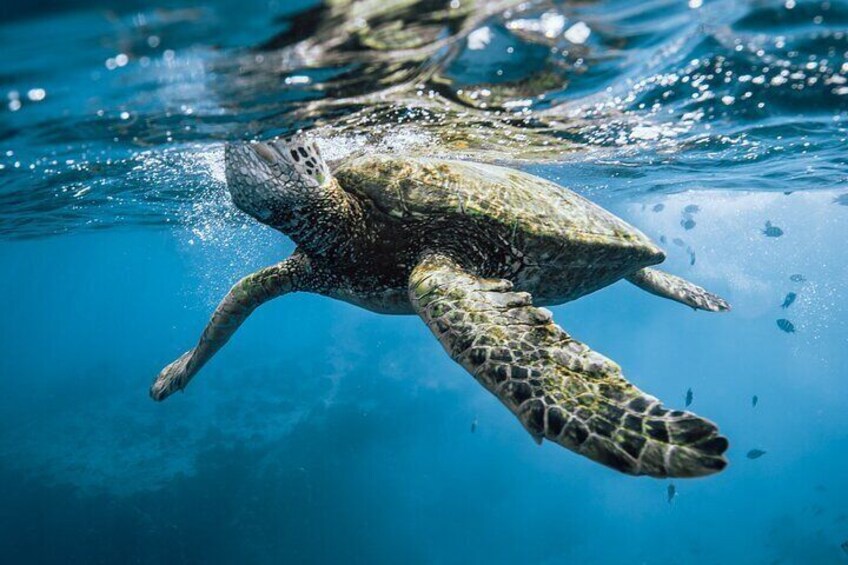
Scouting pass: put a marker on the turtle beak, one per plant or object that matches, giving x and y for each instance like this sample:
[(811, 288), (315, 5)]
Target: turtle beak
[(265, 151), (250, 163), (252, 172), (247, 167), (240, 153)]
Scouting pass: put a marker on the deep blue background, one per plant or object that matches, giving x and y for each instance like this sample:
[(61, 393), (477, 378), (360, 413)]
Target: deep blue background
[(325, 433)]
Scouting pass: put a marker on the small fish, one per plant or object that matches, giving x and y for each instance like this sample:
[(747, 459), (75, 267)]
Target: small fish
[(786, 326), (790, 298), (797, 278), (692, 209), (772, 230), (754, 401), (844, 546), (842, 199), (691, 253), (687, 223), (678, 242), (474, 425), (671, 492), (663, 239), (658, 207), (689, 397), (755, 454)]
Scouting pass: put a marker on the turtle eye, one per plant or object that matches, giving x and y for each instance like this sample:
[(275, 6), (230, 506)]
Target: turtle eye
[(265, 152)]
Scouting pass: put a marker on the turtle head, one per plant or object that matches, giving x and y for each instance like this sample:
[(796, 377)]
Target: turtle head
[(272, 180)]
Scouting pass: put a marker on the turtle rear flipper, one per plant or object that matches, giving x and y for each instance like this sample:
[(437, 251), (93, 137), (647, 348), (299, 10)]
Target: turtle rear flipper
[(680, 290), (558, 388)]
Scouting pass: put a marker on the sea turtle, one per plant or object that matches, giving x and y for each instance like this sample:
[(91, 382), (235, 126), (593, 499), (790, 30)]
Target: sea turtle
[(475, 250)]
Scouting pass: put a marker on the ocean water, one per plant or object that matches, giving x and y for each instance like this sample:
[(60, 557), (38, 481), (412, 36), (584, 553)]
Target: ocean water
[(323, 433)]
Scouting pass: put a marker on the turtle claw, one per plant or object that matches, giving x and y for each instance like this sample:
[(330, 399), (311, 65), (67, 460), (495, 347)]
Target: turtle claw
[(172, 378)]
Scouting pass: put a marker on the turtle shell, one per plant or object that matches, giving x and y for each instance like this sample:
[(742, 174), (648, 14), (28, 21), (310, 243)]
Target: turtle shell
[(518, 201)]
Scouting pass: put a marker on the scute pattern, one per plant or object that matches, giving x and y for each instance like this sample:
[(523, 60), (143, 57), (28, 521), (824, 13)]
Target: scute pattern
[(559, 388), (543, 237), (520, 202)]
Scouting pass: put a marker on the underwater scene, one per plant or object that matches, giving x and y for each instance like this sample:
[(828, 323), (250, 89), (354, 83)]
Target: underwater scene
[(437, 226)]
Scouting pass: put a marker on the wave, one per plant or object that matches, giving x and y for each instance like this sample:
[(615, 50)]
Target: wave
[(123, 128)]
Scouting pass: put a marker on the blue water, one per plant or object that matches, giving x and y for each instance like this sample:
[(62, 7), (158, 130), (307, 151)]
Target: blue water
[(325, 433)]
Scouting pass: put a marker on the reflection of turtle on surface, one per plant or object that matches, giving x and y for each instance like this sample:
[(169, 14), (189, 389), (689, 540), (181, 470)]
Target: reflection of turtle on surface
[(474, 250), (371, 65)]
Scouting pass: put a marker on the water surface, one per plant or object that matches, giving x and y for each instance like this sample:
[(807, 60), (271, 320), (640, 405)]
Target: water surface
[(325, 433)]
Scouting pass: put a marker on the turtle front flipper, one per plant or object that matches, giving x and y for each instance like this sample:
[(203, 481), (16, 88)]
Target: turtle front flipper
[(293, 274), (675, 288), (558, 388)]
